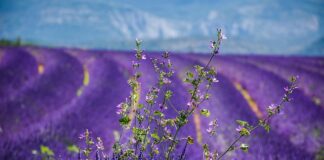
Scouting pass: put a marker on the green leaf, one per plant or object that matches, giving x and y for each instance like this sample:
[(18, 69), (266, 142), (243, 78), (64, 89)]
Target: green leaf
[(190, 140), (73, 148), (190, 75), (124, 121), (155, 136), (242, 123), (244, 132), (158, 113), (244, 147), (46, 150), (168, 94), (267, 127), (205, 112), (140, 106)]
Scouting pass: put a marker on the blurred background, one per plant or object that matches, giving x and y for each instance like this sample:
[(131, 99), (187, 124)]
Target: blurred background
[(251, 26)]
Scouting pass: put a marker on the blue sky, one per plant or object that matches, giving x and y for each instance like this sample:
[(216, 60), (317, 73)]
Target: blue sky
[(252, 26)]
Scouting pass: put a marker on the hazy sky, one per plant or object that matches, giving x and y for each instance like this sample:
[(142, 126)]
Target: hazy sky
[(252, 26)]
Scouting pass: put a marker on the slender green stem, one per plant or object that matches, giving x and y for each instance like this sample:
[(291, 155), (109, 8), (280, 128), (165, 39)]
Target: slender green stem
[(173, 143)]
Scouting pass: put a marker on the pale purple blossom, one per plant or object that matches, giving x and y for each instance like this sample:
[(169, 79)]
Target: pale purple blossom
[(81, 136), (143, 56), (239, 128), (166, 80), (272, 107), (119, 111), (99, 144), (133, 140), (167, 130), (209, 130)]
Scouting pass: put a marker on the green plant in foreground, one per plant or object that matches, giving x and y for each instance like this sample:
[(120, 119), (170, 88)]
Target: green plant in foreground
[(153, 135)]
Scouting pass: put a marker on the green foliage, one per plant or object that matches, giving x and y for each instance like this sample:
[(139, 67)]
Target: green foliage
[(73, 148), (158, 113), (205, 112), (190, 140), (242, 123), (124, 120), (181, 119), (244, 132), (6, 42), (168, 94), (155, 136), (244, 147), (44, 150), (144, 141)]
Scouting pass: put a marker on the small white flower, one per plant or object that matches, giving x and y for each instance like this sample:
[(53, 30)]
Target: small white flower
[(223, 36), (215, 80)]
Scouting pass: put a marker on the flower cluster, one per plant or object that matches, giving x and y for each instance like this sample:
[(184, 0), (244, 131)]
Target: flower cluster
[(212, 127)]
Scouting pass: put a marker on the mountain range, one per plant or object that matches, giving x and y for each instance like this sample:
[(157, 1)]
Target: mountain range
[(277, 27)]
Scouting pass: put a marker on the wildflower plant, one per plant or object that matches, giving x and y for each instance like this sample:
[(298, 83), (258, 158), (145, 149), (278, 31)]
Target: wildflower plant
[(152, 134)]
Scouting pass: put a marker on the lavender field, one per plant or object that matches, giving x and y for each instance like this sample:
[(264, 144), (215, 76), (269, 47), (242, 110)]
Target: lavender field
[(49, 96)]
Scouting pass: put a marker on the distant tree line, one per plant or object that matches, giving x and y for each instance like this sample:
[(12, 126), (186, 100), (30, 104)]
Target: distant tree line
[(6, 42)]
